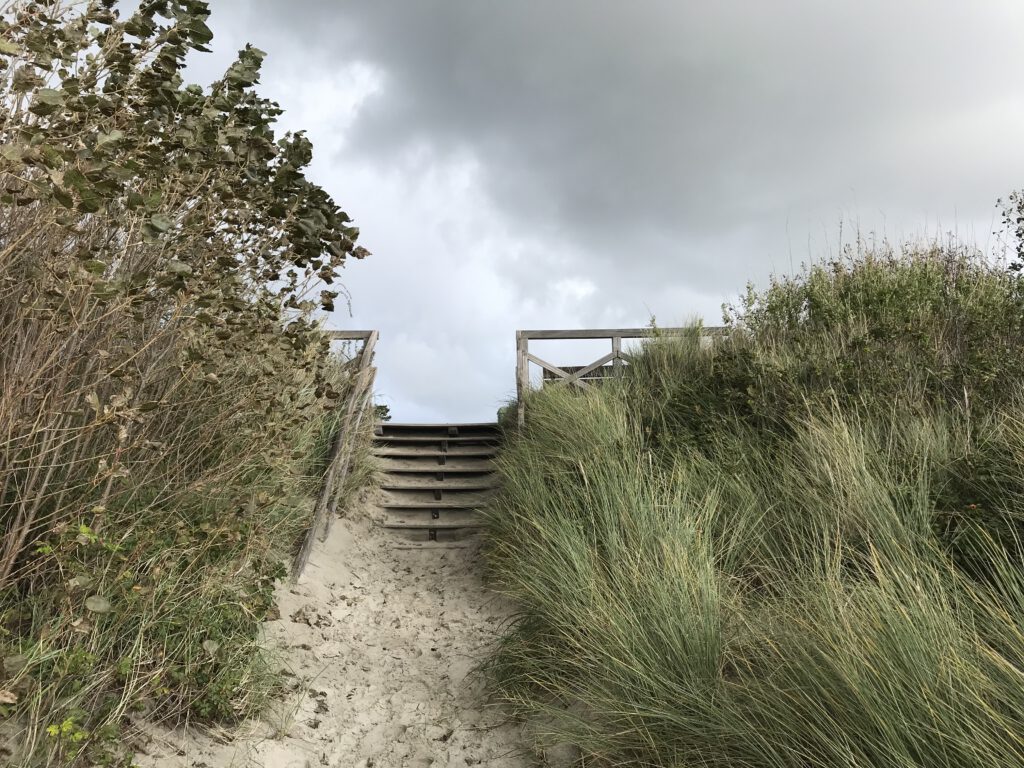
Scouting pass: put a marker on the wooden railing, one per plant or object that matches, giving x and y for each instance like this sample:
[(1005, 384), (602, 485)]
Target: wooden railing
[(357, 402), (583, 376)]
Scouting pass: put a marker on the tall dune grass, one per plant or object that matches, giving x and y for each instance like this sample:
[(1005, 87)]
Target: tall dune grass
[(800, 547)]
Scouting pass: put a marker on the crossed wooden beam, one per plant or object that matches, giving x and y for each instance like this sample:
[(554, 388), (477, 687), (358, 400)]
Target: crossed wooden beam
[(577, 376)]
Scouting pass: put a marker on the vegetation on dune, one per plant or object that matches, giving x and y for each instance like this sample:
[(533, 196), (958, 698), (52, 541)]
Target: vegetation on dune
[(799, 546), (164, 389)]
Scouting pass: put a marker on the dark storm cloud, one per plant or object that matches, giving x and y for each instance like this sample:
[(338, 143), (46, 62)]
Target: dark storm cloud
[(664, 130)]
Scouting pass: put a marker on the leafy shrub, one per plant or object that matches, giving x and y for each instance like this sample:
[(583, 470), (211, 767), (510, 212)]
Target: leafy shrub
[(165, 384)]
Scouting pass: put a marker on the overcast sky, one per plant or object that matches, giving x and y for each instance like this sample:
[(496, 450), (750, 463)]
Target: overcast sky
[(584, 163)]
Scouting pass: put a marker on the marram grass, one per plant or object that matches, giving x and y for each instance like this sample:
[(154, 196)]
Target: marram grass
[(759, 555)]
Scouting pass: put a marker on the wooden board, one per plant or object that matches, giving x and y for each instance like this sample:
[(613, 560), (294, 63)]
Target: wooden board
[(436, 439), (429, 484), (431, 466), (430, 506), (425, 522), (433, 452), (493, 425), (608, 333)]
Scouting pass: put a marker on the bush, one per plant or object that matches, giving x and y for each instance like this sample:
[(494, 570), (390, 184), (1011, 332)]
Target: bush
[(800, 546), (165, 384)]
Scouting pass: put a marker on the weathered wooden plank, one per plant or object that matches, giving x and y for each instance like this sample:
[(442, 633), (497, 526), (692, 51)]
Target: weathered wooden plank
[(429, 483), (479, 425), (607, 333), (581, 372), (460, 466), (427, 451), (562, 374), (431, 506), (399, 439), (601, 374), (476, 433), (348, 335), (355, 406), (427, 524), (359, 404), (368, 349), (522, 376)]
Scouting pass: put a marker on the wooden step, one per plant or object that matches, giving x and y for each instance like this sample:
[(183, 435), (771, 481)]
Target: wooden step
[(432, 506), (432, 439), (436, 430), (430, 451), (437, 476), (425, 493), (433, 466), (430, 484), (425, 522), (434, 525), (401, 426)]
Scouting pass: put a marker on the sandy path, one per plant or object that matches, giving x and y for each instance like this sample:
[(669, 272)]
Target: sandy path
[(381, 642)]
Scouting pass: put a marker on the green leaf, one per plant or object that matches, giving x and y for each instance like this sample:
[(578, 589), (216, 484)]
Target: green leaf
[(109, 138), (46, 101), (80, 582), (25, 79), (50, 96), (62, 197), (13, 152), (161, 222), (201, 33), (7, 48), (89, 205), (97, 604)]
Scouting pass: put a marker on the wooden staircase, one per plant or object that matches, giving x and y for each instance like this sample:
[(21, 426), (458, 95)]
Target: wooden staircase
[(436, 476)]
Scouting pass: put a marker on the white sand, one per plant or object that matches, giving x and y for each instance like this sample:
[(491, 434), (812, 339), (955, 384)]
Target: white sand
[(382, 642)]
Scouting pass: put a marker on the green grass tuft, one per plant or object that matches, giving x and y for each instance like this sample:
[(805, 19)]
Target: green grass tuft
[(799, 547)]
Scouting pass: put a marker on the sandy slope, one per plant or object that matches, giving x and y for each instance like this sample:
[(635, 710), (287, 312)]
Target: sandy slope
[(381, 642)]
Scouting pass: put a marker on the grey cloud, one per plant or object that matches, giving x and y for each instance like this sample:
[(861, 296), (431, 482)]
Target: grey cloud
[(663, 152), (605, 121)]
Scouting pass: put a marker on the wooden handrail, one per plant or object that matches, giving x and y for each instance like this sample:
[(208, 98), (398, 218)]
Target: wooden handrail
[(612, 333), (357, 403), (349, 335)]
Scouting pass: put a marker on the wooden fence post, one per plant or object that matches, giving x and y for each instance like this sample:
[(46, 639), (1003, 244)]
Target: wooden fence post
[(522, 376)]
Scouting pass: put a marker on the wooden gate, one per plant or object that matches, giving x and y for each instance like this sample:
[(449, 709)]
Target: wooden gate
[(607, 366)]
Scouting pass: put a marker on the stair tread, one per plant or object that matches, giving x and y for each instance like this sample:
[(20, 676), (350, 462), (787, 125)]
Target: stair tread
[(429, 451), (433, 505), (433, 467), (430, 485), (430, 524), (462, 439), (458, 425), (413, 519)]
